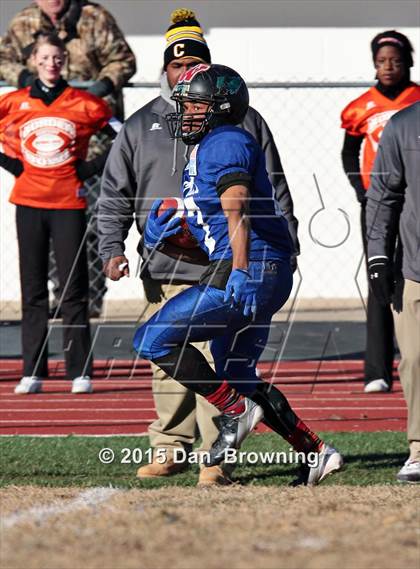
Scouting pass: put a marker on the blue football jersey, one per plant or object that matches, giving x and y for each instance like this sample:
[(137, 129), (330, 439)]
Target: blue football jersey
[(231, 152)]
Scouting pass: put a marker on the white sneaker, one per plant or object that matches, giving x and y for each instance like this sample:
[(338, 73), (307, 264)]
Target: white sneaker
[(329, 461), (377, 386), (29, 384), (410, 472), (82, 384)]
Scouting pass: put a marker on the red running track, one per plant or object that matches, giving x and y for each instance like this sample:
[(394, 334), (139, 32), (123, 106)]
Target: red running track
[(328, 395)]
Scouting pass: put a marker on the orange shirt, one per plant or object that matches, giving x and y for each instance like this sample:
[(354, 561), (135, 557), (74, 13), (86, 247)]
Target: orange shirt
[(49, 139), (367, 116)]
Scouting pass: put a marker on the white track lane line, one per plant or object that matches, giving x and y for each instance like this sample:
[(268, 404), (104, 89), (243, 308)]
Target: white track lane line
[(93, 422), (143, 409), (63, 422), (295, 395), (278, 374), (13, 406), (78, 410), (90, 498), (80, 436)]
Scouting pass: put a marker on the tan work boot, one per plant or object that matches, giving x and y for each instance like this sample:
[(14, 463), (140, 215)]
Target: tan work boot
[(156, 469), (213, 476)]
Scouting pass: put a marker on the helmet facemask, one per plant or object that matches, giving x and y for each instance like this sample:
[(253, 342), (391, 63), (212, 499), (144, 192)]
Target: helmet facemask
[(192, 127)]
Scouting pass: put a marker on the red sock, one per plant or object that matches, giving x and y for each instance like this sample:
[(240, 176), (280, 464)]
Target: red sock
[(303, 439), (227, 399)]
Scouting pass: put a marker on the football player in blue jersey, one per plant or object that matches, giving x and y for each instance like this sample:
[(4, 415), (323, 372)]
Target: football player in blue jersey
[(232, 213)]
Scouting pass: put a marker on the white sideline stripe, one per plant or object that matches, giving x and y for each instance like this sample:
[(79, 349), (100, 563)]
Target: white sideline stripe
[(39, 514)]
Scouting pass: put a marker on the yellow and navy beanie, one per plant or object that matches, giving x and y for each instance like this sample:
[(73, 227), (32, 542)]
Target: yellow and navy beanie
[(184, 38)]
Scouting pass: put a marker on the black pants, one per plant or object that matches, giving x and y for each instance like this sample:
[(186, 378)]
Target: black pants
[(379, 332), (97, 281), (66, 229)]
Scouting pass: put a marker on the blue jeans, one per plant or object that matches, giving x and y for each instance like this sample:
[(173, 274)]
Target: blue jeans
[(200, 313)]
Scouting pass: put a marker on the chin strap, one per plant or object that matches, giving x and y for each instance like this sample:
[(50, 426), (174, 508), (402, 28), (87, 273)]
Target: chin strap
[(174, 157)]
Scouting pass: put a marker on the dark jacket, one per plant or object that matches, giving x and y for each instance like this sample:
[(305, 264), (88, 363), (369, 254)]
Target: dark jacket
[(140, 169), (394, 193)]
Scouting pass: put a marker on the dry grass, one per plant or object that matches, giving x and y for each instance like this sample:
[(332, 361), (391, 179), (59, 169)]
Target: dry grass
[(281, 528)]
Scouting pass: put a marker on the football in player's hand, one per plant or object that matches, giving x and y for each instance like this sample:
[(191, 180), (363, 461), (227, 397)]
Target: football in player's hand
[(184, 239)]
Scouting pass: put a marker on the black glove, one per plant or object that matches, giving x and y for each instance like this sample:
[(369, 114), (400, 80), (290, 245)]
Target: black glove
[(381, 279), (397, 297), (153, 291), (361, 197), (101, 88), (25, 79), (12, 165), (86, 170)]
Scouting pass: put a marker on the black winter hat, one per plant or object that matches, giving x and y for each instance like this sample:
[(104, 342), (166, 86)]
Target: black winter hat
[(395, 39), (185, 38)]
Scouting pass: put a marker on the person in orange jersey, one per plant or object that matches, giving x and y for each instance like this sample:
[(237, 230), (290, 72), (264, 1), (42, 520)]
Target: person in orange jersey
[(45, 130), (364, 120)]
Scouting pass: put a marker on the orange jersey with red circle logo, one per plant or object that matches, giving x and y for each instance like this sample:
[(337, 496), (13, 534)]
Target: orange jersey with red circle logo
[(367, 116), (49, 139)]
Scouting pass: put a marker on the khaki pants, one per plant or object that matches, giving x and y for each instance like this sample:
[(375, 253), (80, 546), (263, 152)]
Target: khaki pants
[(182, 415), (407, 327)]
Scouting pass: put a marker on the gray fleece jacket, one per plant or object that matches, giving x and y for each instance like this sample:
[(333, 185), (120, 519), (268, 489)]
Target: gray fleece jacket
[(144, 165), (394, 192)]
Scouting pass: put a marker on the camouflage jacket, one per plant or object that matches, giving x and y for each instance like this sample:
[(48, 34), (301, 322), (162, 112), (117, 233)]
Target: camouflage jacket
[(96, 46)]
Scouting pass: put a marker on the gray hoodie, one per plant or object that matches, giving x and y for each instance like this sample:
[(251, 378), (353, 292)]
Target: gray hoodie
[(394, 192), (144, 165)]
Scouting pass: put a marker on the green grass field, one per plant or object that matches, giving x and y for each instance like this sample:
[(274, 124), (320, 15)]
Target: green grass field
[(370, 458)]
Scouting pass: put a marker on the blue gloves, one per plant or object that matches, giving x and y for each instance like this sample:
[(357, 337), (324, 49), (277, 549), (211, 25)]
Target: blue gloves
[(160, 227), (243, 290)]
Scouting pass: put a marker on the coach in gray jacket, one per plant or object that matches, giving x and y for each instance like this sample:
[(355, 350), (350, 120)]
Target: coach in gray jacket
[(144, 164), (394, 204)]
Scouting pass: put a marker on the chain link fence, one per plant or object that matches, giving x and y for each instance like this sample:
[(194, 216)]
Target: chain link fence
[(305, 121)]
